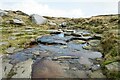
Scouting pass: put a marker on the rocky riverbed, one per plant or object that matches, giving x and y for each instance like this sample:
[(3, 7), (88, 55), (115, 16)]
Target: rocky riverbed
[(66, 54)]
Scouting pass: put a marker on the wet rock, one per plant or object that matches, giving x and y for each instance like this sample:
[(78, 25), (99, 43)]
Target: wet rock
[(57, 39), (23, 69), (64, 66), (115, 66), (76, 74), (81, 74), (85, 61), (20, 57), (95, 67), (38, 19), (43, 69), (10, 50), (37, 53), (96, 74)]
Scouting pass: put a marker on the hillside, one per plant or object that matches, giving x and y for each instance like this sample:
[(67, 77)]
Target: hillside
[(19, 31)]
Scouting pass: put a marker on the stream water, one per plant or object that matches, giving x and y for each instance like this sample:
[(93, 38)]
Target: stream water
[(75, 61)]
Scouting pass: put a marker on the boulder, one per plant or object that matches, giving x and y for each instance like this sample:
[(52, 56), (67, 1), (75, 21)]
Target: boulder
[(37, 19)]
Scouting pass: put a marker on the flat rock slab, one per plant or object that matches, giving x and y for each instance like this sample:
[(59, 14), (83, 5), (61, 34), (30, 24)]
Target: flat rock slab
[(55, 39)]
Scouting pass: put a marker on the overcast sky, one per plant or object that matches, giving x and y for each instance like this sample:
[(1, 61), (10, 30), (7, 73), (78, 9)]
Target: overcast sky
[(62, 8)]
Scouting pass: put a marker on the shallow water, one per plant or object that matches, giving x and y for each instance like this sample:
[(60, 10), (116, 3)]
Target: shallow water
[(60, 50)]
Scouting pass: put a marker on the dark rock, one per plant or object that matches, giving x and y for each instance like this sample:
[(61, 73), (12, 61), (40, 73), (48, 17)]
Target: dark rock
[(21, 13), (55, 39), (63, 24)]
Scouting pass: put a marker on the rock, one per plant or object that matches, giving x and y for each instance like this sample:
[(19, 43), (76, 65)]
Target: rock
[(23, 69), (19, 49), (52, 24), (21, 13), (17, 21), (10, 50), (79, 41), (65, 57), (63, 24), (81, 74), (95, 67), (94, 43), (3, 43), (115, 66), (6, 68), (38, 19), (61, 35), (87, 47), (18, 33), (55, 39), (96, 74), (12, 38), (76, 74), (47, 69), (85, 61), (98, 36), (37, 53), (2, 13)]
